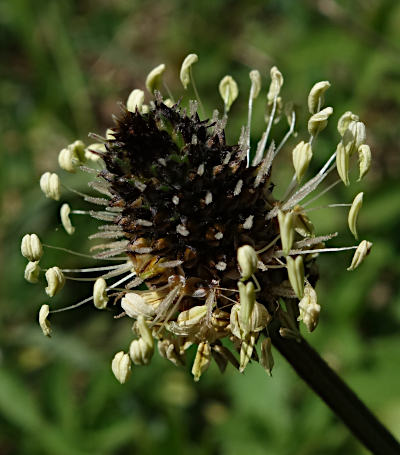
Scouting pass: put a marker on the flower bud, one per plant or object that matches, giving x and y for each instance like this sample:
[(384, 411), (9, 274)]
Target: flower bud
[(66, 222), (360, 254), (255, 78), (318, 121), (344, 121), (202, 360), (50, 185), (100, 297), (266, 359), (247, 260), (135, 100), (309, 308), (364, 159), (353, 213), (342, 163), (185, 69), (229, 91), (32, 271), (121, 366), (135, 305), (247, 297), (286, 228), (301, 155), (276, 84), (43, 322), (193, 316), (295, 268), (55, 281), (153, 80), (316, 96), (31, 247)]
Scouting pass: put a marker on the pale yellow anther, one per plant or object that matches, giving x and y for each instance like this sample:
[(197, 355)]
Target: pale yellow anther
[(55, 281), (154, 78), (259, 319), (202, 360), (286, 229), (168, 102), (318, 121), (276, 84), (135, 100), (247, 298), (247, 260), (344, 121), (135, 305), (228, 89), (343, 163), (193, 316), (31, 247), (43, 322), (121, 366), (255, 78), (185, 69), (72, 157), (246, 350), (96, 147), (32, 271), (364, 160), (100, 297), (110, 135), (295, 268), (141, 350), (50, 185), (266, 358), (354, 137), (65, 220), (301, 155), (316, 96), (353, 213), (309, 308), (360, 254)]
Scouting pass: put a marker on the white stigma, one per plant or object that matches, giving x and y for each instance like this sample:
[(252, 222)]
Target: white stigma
[(175, 200), (219, 235), (200, 169), (209, 198)]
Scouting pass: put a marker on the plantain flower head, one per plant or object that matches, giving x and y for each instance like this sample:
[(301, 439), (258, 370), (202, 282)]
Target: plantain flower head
[(195, 247)]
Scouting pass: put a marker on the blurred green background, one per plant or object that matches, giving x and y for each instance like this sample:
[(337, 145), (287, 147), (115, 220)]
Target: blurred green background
[(64, 66)]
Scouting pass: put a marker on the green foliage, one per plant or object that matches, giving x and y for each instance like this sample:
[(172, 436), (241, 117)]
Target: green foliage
[(64, 66)]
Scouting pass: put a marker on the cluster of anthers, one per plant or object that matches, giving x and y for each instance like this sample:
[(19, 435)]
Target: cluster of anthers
[(201, 252)]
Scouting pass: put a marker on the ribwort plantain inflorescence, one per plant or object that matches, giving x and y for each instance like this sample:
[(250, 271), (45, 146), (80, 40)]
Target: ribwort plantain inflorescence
[(200, 248)]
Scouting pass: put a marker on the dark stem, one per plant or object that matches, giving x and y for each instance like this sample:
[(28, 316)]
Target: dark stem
[(337, 395)]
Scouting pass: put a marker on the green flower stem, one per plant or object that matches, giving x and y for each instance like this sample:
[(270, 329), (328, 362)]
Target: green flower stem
[(337, 395)]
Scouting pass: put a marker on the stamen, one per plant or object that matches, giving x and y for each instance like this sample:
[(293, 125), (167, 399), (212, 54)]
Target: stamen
[(82, 302), (320, 250), (326, 207), (75, 253), (91, 269), (322, 193), (288, 134), (269, 245)]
